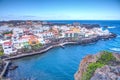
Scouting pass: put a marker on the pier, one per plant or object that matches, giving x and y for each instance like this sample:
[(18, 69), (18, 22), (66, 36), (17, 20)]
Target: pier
[(4, 70)]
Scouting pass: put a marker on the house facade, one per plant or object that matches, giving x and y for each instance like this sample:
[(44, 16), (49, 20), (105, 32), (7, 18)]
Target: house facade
[(8, 47)]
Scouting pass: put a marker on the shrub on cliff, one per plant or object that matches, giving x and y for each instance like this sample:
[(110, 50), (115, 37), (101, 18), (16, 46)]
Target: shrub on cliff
[(90, 70), (106, 57)]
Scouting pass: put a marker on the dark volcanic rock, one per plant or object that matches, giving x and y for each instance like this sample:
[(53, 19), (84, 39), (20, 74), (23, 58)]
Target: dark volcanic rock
[(84, 64), (89, 26), (95, 38), (107, 73)]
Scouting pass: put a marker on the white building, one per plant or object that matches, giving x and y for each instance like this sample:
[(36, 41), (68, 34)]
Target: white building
[(8, 47), (37, 30), (18, 31)]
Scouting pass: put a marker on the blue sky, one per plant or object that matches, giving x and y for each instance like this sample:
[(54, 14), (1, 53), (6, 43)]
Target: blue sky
[(60, 9)]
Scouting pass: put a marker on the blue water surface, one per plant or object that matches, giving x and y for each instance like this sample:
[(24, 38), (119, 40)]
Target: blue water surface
[(61, 64)]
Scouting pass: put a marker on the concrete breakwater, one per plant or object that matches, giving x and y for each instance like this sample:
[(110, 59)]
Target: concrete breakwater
[(5, 69)]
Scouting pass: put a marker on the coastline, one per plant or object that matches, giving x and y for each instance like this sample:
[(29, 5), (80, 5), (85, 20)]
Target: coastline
[(7, 60), (39, 52), (82, 41)]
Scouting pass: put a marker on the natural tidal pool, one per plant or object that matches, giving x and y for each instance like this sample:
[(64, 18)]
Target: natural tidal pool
[(59, 63)]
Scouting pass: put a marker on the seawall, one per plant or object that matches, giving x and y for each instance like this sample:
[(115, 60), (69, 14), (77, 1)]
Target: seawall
[(80, 41)]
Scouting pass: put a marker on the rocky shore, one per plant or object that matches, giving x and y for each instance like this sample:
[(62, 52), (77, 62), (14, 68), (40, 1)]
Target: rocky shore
[(101, 66), (95, 38), (107, 73)]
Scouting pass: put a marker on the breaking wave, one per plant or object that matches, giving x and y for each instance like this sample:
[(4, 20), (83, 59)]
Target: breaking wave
[(115, 49), (111, 27), (118, 36)]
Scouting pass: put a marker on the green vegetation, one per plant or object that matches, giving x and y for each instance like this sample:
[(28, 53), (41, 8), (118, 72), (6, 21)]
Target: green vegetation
[(27, 49), (30, 48), (75, 38), (105, 58), (37, 46), (1, 51), (90, 70), (9, 32)]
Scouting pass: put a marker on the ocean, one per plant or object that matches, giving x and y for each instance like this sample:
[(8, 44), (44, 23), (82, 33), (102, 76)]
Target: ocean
[(61, 64)]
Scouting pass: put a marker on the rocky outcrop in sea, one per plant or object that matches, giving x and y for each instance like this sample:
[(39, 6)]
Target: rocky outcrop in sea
[(101, 66)]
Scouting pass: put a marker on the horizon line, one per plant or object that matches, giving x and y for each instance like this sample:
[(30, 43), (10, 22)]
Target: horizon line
[(62, 20)]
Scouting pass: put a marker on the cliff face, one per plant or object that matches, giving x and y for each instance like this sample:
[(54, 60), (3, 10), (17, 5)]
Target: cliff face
[(107, 73), (103, 73), (83, 66)]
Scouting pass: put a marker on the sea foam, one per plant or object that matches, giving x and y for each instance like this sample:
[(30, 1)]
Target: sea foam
[(111, 27), (115, 49)]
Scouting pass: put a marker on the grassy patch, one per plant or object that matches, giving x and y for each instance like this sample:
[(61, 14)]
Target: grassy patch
[(90, 70), (37, 46), (9, 32), (105, 58), (1, 53)]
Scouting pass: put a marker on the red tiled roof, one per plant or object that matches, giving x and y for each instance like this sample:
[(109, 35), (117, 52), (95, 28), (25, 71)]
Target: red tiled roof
[(28, 37), (7, 43), (69, 31), (8, 34)]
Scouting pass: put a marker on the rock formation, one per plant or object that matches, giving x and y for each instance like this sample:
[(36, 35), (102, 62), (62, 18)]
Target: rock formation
[(111, 71), (107, 73)]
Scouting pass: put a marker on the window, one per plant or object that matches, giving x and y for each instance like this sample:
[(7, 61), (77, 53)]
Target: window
[(5, 48), (9, 47)]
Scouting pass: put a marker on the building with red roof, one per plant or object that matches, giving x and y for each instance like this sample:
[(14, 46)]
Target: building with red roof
[(8, 47)]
